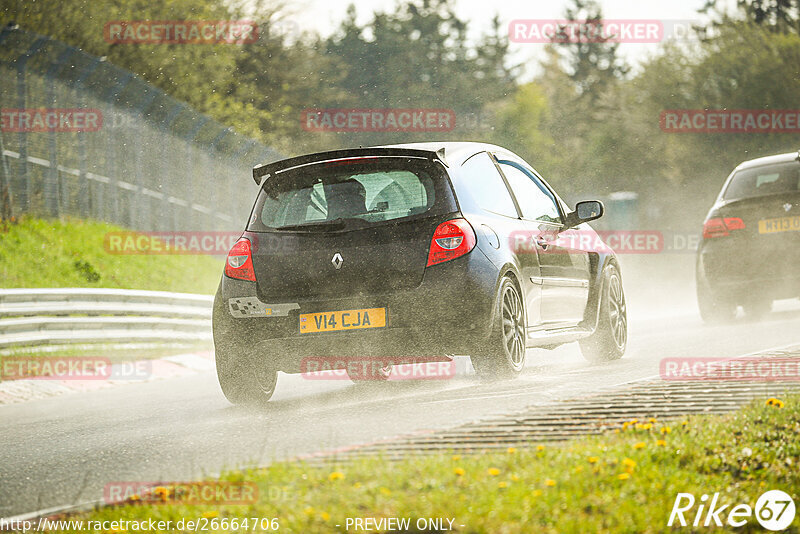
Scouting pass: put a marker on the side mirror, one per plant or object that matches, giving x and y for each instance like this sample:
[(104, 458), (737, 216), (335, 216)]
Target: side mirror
[(585, 211)]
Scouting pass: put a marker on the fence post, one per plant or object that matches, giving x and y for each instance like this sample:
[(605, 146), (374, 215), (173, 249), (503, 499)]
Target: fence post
[(53, 184), (190, 135), (26, 187)]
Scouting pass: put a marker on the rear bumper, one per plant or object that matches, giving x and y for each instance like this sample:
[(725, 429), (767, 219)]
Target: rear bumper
[(733, 268), (450, 312)]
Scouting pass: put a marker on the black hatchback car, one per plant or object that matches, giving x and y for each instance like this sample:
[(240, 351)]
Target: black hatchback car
[(406, 253), (750, 252)]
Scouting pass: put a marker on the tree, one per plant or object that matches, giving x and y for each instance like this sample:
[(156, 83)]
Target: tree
[(782, 16), (591, 60)]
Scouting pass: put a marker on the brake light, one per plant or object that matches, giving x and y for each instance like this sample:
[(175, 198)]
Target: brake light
[(721, 227), (239, 263), (450, 240), (350, 161)]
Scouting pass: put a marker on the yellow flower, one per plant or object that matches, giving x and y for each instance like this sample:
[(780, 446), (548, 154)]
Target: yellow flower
[(460, 472), (540, 447), (644, 426), (625, 425), (665, 430), (616, 431), (325, 516), (515, 478), (537, 493), (134, 498), (308, 511), (578, 469), (511, 450), (384, 491), (652, 419), (457, 457), (357, 485), (634, 421), (661, 443), (592, 459), (336, 475), (493, 471), (502, 485), (550, 482), (685, 423), (161, 492), (212, 513), (623, 476), (639, 445), (628, 463), (777, 403)]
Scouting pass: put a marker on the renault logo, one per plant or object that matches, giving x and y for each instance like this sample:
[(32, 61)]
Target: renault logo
[(787, 207), (337, 260)]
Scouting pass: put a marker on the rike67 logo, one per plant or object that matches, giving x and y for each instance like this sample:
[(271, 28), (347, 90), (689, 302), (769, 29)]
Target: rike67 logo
[(774, 511)]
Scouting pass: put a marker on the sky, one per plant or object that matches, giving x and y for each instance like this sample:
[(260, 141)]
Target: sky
[(324, 16)]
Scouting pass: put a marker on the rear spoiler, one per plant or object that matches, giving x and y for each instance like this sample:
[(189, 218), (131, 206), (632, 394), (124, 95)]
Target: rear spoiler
[(270, 169)]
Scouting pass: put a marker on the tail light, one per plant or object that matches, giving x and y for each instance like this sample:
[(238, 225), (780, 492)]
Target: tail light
[(239, 264), (450, 240), (721, 227)]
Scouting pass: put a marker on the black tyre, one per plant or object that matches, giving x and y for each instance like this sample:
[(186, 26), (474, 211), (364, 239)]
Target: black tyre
[(244, 376), (505, 355), (714, 308), (756, 307), (610, 339)]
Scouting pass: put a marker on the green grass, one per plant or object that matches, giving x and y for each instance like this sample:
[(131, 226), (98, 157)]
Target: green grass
[(605, 483), (70, 253)]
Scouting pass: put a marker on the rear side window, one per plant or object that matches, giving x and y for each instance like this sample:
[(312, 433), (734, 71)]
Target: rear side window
[(481, 182), (372, 192), (765, 180)]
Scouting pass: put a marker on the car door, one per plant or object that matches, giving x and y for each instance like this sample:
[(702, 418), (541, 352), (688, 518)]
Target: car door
[(564, 268), (484, 195)]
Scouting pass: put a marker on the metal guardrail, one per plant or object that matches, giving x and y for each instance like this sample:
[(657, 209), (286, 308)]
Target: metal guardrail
[(77, 315)]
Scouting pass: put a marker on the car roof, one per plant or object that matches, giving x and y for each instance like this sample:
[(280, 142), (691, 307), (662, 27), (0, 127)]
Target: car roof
[(455, 152), (769, 160)]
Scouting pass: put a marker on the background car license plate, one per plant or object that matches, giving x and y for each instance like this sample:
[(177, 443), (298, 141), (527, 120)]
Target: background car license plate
[(781, 224), (342, 320)]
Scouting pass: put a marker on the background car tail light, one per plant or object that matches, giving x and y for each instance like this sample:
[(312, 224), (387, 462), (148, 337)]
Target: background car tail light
[(450, 240), (239, 263), (721, 227)]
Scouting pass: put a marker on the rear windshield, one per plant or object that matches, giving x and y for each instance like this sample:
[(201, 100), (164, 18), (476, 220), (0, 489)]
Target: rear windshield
[(362, 192), (765, 180)]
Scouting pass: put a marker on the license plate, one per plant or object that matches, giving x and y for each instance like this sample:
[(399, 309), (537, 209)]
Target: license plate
[(780, 224), (342, 320)]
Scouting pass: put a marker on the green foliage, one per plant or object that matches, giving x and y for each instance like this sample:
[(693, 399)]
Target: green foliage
[(39, 253)]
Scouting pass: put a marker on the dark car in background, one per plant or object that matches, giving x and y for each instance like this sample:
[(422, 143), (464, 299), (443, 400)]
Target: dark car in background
[(750, 252), (410, 252)]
